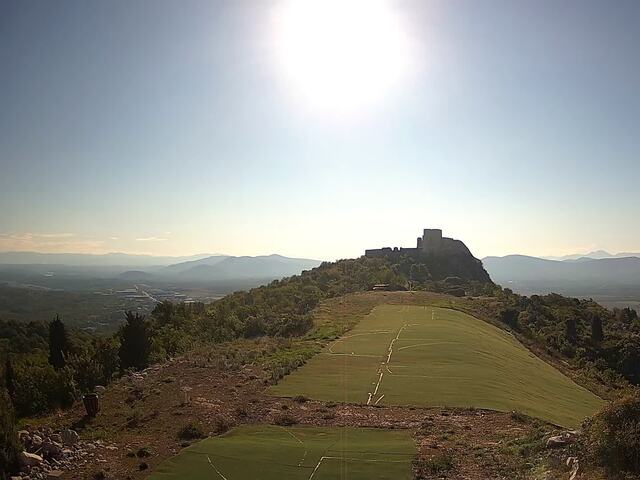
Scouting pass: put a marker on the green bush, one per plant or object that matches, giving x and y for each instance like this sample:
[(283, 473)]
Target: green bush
[(439, 463), (612, 436), (191, 431), (40, 388)]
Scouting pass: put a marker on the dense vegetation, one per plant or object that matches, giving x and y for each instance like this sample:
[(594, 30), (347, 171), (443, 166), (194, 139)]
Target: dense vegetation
[(582, 331)]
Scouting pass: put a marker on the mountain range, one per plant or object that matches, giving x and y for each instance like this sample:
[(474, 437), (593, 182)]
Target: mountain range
[(612, 280), (595, 255), (60, 270)]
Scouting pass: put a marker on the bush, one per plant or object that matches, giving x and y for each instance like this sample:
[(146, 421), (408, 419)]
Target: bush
[(191, 431), (39, 388), (284, 420), (612, 436), (439, 463)]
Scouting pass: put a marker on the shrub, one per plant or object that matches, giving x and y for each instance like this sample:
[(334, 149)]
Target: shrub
[(191, 431), (439, 463), (284, 420), (222, 424), (612, 436)]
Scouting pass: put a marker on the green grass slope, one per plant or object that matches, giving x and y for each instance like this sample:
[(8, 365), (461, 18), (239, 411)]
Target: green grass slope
[(429, 356), (295, 453)]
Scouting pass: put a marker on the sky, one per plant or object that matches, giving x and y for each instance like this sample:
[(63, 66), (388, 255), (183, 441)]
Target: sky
[(319, 129)]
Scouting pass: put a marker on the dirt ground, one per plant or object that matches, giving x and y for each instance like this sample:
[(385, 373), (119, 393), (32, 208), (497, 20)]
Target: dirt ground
[(141, 416)]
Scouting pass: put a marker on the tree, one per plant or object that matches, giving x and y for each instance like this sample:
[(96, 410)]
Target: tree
[(10, 378), (510, 317), (135, 342), (9, 446), (571, 330), (597, 335), (58, 343)]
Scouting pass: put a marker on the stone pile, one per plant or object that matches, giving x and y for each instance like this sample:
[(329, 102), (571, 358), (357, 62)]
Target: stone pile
[(48, 453)]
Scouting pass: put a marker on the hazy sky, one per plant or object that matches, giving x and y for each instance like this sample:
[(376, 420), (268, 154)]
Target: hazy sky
[(177, 127)]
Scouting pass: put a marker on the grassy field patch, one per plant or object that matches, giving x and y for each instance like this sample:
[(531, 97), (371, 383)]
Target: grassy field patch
[(431, 356), (295, 453)]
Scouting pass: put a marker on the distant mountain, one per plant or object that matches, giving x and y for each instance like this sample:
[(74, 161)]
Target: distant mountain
[(595, 255), (82, 259), (607, 279), (216, 268), (182, 267)]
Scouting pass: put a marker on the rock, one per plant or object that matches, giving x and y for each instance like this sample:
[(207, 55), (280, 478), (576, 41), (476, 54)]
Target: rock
[(99, 389), (69, 437), (36, 441), (27, 459), (56, 437), (52, 449), (561, 440), (574, 465), (54, 474), (24, 435)]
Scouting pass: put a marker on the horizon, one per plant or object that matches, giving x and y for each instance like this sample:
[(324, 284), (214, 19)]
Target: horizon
[(220, 254), (242, 127)]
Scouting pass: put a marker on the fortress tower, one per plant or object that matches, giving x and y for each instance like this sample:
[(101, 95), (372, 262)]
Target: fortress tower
[(431, 240)]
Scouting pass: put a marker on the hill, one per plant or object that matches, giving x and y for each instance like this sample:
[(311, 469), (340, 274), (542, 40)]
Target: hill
[(595, 255), (267, 267)]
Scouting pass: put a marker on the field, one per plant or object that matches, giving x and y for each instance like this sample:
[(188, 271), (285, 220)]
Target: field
[(430, 356), (295, 453)]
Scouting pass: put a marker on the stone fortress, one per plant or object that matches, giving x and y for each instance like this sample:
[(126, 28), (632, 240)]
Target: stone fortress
[(431, 243)]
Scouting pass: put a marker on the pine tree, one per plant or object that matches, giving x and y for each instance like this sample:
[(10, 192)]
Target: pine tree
[(135, 342), (571, 330), (10, 378), (9, 446), (58, 343), (597, 334)]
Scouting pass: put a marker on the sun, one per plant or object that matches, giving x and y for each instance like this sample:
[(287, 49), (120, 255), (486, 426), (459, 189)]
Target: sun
[(340, 56)]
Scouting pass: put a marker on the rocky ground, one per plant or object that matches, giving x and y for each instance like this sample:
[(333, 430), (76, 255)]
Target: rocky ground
[(142, 414)]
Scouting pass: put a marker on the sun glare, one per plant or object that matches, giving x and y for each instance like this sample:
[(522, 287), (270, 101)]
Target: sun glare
[(341, 56)]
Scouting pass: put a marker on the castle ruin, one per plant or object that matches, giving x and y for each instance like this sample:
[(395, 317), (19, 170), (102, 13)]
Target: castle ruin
[(431, 243)]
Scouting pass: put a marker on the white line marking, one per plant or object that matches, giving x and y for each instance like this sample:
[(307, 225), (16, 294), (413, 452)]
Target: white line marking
[(374, 332), (381, 397), (378, 384), (217, 471), (427, 344), (301, 443), (353, 460), (432, 376), (349, 355), (386, 363)]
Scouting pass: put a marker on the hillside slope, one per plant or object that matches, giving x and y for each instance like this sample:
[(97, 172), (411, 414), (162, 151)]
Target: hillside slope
[(430, 356)]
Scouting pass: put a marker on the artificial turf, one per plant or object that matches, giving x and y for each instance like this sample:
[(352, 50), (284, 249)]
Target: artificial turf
[(439, 357), (268, 452)]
